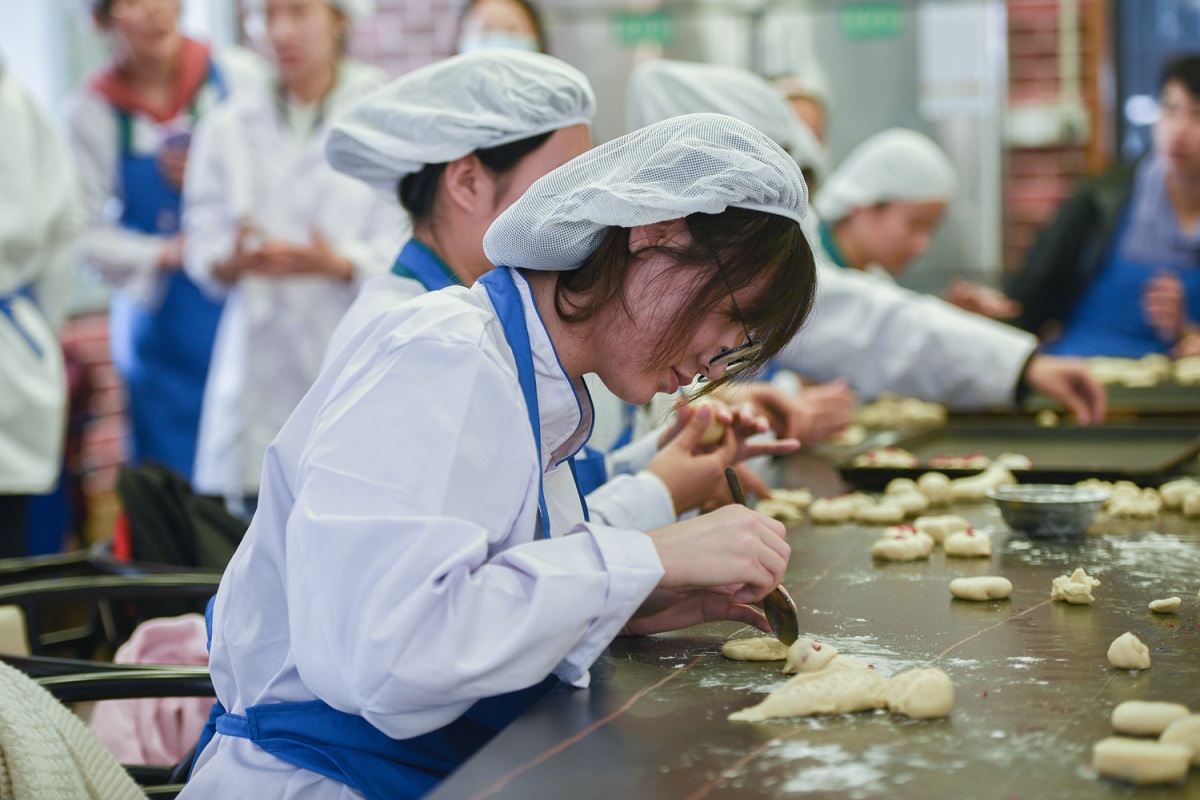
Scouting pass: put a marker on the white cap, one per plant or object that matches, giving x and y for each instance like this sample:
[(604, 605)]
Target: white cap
[(698, 163), (354, 10), (897, 165), (663, 88), (810, 86), (452, 108)]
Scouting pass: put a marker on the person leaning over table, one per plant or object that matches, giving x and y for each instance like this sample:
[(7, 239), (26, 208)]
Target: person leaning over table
[(456, 143), (421, 567), (130, 127), (1117, 271), (879, 336), (278, 233)]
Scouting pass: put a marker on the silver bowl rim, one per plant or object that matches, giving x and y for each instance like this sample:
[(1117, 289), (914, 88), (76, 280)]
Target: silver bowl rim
[(1085, 494)]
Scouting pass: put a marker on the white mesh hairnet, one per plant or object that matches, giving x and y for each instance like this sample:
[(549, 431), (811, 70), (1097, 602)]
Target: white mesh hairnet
[(452, 108), (355, 10), (663, 88), (895, 165), (684, 165)]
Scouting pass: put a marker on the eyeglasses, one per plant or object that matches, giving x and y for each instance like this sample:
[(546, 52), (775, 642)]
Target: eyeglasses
[(734, 359)]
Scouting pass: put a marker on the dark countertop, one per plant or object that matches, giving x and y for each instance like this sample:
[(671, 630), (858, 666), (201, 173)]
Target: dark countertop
[(1034, 687)]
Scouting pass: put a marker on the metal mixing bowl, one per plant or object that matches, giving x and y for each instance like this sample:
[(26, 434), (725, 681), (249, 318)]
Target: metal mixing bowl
[(1049, 509)]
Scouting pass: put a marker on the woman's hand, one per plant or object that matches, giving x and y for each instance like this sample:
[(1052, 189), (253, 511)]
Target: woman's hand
[(281, 259), (819, 412), (982, 300), (1164, 305), (667, 610), (1068, 381)]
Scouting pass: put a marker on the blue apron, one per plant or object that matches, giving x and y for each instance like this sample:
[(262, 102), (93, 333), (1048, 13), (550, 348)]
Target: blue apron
[(162, 354), (345, 747)]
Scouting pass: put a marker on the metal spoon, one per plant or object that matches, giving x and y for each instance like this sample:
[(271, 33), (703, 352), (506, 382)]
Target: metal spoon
[(778, 605)]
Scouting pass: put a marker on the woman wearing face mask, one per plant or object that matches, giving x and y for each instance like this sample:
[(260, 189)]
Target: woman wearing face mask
[(456, 143), (420, 568), (285, 238), (511, 24), (130, 126)]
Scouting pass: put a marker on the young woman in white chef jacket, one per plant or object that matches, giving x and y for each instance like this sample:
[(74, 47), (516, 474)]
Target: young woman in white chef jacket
[(881, 337), (456, 143), (285, 239), (130, 125), (421, 566)]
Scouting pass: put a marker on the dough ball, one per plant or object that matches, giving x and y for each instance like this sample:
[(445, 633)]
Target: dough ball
[(941, 527), (808, 655), (886, 457), (1046, 418), (901, 486), (975, 488), (936, 487), (1139, 761), (1168, 605), (1173, 492), (912, 502), (905, 531), (984, 587), (912, 547), (1075, 588), (1128, 652), (968, 544), (1191, 505), (1143, 718), (781, 510), (828, 691), (800, 498), (886, 512), (716, 429), (831, 510), (852, 435), (759, 648), (1186, 732), (921, 693)]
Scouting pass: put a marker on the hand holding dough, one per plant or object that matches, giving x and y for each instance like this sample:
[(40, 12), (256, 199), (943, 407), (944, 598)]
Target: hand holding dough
[(1139, 761), (716, 429), (1128, 652), (1075, 588), (807, 655), (984, 587), (1142, 718), (921, 693), (759, 648)]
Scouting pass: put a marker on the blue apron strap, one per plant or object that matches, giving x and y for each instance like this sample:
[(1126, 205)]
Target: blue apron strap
[(587, 517), (217, 80), (590, 470), (507, 300), (418, 262), (6, 309)]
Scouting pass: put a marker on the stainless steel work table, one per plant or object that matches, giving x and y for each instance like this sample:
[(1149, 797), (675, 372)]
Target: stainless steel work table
[(1034, 687)]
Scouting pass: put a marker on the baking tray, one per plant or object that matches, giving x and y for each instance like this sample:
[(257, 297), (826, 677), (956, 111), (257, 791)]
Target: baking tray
[(1143, 452), (1165, 398)]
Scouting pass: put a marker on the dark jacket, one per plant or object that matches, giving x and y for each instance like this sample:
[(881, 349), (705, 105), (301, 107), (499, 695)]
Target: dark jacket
[(1069, 252)]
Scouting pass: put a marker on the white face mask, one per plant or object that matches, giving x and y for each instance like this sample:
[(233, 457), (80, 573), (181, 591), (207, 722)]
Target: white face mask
[(494, 40)]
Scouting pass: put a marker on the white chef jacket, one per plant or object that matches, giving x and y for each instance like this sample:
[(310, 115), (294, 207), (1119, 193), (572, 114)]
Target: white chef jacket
[(127, 259), (393, 568), (884, 338), (246, 165), (40, 223), (631, 498)]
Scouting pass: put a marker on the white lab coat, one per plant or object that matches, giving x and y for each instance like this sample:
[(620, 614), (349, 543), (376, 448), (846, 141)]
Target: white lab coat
[(632, 497), (247, 166), (40, 223), (127, 259), (393, 568)]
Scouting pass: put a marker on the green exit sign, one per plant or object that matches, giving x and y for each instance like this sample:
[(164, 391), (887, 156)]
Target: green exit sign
[(654, 27), (871, 20)]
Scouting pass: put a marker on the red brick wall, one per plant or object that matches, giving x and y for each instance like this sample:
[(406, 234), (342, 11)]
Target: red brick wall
[(1039, 179)]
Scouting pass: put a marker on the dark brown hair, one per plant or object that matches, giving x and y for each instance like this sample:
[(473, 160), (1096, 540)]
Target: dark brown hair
[(754, 247), (531, 11)]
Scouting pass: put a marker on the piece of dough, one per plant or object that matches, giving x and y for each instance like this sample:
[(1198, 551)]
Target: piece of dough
[(800, 498), (885, 512), (968, 544), (1191, 505), (912, 547), (941, 527), (828, 691), (1075, 588), (893, 457), (901, 486), (920, 693), (1186, 732), (716, 429), (831, 510), (808, 655), (912, 502), (936, 487), (975, 488), (1128, 652), (1046, 418), (984, 587), (905, 531), (781, 510), (1144, 718), (1173, 492), (759, 648), (1168, 605), (1139, 761)]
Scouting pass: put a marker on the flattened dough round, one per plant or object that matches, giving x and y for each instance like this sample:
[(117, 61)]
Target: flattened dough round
[(1140, 761), (759, 648), (921, 693), (1145, 718), (984, 587), (1128, 652)]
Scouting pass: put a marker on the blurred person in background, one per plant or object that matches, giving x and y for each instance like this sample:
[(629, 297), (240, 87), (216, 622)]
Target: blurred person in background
[(279, 235), (130, 128), (39, 232), (487, 24)]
